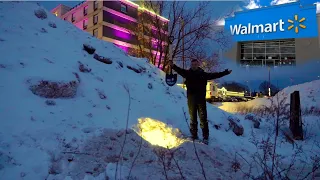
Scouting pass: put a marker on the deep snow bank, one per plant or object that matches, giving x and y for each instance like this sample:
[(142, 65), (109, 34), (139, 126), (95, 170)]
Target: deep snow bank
[(309, 98)]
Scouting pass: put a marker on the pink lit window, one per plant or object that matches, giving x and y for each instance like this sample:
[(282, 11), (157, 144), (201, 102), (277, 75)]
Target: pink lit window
[(85, 10), (85, 24), (73, 18)]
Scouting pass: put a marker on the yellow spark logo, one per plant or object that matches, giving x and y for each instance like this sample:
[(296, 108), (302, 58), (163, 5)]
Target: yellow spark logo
[(297, 27)]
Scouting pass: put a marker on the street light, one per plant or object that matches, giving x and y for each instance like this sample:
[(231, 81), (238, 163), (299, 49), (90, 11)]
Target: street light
[(170, 42), (249, 88), (171, 39), (269, 86), (182, 28), (291, 80)]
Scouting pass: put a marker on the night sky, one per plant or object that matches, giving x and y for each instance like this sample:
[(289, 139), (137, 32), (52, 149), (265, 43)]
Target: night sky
[(52, 4)]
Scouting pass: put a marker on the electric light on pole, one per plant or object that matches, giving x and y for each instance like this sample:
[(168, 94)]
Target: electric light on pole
[(249, 88), (183, 60), (170, 42), (291, 80), (182, 29), (171, 39), (269, 88)]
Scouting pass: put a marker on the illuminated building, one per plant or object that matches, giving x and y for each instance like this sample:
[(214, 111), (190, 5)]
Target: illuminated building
[(110, 21)]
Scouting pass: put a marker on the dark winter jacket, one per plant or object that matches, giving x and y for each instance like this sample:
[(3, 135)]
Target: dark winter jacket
[(196, 80)]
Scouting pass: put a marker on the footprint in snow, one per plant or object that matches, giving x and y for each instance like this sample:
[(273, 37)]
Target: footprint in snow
[(88, 130)]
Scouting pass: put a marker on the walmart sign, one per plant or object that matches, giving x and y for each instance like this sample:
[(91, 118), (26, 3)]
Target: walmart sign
[(255, 29), (277, 22)]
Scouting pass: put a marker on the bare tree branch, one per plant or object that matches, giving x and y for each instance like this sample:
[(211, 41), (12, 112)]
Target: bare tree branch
[(125, 135), (192, 26), (138, 153)]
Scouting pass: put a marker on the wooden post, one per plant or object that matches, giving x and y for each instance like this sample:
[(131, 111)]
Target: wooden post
[(295, 116)]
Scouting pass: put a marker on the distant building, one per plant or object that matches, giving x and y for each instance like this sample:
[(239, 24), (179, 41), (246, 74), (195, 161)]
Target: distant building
[(109, 21), (287, 51)]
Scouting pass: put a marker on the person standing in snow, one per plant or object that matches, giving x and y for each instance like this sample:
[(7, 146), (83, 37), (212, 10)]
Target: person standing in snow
[(196, 82)]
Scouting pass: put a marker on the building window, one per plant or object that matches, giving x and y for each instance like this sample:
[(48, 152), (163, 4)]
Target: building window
[(124, 8), (95, 32), (85, 10), (73, 18), (95, 5), (268, 53), (56, 13), (95, 19), (85, 24)]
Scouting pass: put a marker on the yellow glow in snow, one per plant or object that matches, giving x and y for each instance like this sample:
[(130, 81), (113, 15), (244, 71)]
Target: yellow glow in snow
[(158, 133)]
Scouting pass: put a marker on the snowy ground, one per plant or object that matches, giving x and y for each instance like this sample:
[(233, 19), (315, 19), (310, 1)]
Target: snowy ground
[(81, 135)]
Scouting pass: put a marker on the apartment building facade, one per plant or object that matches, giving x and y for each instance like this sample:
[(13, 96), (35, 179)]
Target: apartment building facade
[(112, 21)]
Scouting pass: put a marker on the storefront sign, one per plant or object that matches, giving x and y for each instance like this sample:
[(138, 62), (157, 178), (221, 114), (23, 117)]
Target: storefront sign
[(258, 28), (277, 22)]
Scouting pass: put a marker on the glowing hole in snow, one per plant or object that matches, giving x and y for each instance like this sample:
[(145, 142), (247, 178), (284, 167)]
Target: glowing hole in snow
[(158, 133)]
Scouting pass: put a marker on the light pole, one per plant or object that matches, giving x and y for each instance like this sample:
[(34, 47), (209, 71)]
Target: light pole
[(183, 60), (170, 42), (249, 88), (269, 84), (291, 80), (182, 29), (171, 39)]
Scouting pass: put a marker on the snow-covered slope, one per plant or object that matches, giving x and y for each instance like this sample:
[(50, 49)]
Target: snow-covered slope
[(309, 93), (35, 130), (63, 113)]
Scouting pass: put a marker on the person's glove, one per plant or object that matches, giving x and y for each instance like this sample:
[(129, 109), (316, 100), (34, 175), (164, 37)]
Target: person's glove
[(227, 71), (170, 63)]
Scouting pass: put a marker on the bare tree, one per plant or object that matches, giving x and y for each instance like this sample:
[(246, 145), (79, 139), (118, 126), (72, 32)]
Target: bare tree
[(210, 62), (191, 29), (150, 32)]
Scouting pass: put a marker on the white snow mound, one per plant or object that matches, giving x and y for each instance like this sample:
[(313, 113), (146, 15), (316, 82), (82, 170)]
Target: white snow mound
[(309, 93)]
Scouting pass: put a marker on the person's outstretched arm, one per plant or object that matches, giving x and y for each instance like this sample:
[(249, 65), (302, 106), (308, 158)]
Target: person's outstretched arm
[(180, 71), (210, 76)]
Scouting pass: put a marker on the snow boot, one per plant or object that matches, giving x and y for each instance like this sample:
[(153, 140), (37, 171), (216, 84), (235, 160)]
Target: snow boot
[(192, 138), (205, 141)]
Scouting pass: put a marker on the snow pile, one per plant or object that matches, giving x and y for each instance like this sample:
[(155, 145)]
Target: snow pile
[(146, 165), (309, 98), (309, 93)]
